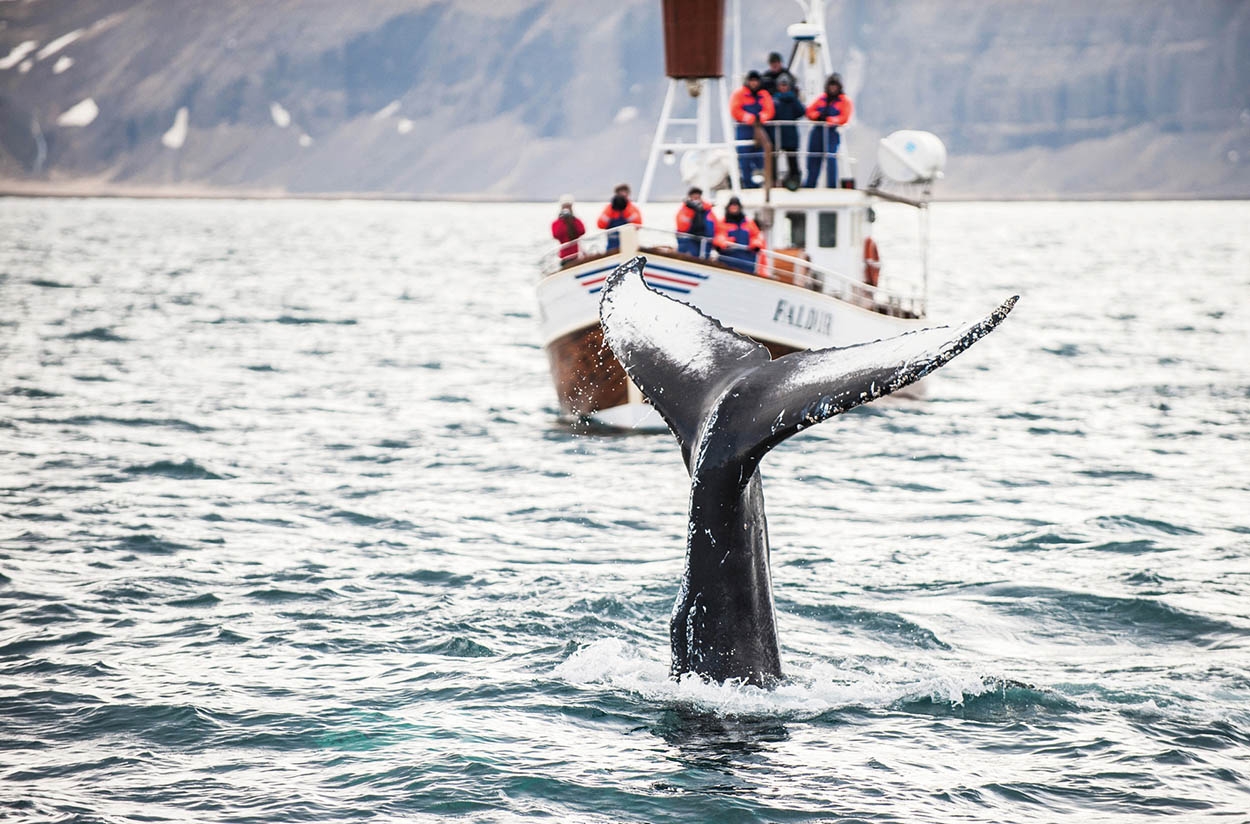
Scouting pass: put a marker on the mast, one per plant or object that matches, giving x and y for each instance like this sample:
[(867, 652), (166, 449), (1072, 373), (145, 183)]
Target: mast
[(694, 34)]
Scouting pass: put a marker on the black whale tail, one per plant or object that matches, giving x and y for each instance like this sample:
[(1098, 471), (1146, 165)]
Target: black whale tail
[(726, 401)]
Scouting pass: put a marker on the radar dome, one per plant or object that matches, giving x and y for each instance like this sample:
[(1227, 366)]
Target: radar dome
[(803, 31), (911, 156)]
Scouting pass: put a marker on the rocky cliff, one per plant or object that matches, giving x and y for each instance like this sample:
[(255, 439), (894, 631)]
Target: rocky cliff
[(528, 99)]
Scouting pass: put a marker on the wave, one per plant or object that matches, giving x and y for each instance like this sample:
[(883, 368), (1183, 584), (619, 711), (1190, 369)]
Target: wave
[(289, 319), (1145, 620), (187, 470), (149, 544), (101, 333), (87, 420), (32, 392)]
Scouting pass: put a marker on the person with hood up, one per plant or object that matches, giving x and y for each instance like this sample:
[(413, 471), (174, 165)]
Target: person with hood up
[(738, 238), (768, 78), (566, 229), (787, 106), (749, 105), (618, 212), (696, 225), (830, 110)]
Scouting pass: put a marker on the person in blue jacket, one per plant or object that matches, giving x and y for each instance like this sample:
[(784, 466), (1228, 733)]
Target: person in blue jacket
[(830, 110), (787, 106), (738, 238), (749, 105), (696, 225)]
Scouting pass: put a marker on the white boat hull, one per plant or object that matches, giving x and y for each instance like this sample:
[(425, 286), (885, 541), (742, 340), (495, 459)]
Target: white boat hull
[(782, 316)]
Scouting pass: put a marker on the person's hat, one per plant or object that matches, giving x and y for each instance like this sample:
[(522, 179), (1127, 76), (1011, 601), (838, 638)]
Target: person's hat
[(834, 78), (774, 56), (566, 200), (753, 75), (733, 201), (694, 190), (620, 186), (784, 77)]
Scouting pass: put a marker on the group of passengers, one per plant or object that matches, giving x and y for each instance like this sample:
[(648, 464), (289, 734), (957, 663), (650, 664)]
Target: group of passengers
[(735, 237), (774, 96), (769, 97)]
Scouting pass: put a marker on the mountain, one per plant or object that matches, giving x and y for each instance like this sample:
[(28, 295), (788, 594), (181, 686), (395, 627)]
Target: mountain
[(518, 99)]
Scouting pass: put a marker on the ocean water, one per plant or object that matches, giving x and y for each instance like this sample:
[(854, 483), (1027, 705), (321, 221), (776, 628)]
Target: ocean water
[(289, 532)]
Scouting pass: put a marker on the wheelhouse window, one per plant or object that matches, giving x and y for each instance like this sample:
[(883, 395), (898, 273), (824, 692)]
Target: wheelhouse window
[(798, 229), (827, 235)]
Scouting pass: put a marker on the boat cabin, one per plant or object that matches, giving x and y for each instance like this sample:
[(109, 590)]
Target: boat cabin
[(828, 227)]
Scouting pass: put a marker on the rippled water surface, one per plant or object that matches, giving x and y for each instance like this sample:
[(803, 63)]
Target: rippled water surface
[(289, 531)]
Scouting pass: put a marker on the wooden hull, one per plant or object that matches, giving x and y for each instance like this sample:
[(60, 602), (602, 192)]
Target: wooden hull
[(587, 377)]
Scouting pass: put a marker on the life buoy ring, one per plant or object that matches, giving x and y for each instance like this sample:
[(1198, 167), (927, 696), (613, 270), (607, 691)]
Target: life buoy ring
[(872, 262)]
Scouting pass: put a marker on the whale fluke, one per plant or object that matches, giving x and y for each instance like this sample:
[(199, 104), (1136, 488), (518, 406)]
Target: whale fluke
[(728, 403)]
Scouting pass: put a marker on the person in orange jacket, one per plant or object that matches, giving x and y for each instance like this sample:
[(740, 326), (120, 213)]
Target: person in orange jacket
[(696, 225), (738, 238), (618, 212), (831, 110), (749, 105)]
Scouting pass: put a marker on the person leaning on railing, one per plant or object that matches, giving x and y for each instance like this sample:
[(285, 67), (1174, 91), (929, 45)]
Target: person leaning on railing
[(830, 110), (618, 212), (786, 106), (696, 225), (749, 105), (738, 238), (566, 229)]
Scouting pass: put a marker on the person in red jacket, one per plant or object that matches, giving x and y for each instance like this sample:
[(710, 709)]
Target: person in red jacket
[(738, 238), (749, 105), (566, 229), (618, 212), (696, 225), (831, 110)]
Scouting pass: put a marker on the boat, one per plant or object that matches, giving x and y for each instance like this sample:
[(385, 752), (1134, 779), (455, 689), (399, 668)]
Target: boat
[(818, 283)]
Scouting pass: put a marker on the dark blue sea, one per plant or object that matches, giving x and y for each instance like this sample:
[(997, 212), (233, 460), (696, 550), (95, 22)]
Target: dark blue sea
[(289, 531)]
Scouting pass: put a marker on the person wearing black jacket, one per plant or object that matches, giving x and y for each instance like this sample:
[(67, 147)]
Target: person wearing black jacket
[(787, 106), (768, 77)]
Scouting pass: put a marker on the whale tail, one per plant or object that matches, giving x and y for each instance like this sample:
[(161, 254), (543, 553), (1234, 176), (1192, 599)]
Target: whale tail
[(727, 402)]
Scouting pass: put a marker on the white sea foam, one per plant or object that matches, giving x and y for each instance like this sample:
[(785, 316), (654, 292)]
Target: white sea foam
[(80, 114), (177, 133), (806, 692)]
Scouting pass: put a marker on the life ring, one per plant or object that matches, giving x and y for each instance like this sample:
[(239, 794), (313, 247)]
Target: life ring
[(872, 262)]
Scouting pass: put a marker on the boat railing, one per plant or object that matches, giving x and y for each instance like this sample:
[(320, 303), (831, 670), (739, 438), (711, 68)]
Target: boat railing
[(796, 270), (766, 263), (773, 139)]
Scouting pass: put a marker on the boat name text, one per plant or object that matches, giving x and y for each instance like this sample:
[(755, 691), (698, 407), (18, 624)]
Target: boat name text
[(803, 317)]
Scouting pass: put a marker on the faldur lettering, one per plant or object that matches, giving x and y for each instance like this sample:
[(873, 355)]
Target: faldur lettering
[(803, 317)]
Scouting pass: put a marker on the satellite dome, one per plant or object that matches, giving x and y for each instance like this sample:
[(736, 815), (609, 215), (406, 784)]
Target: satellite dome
[(910, 156)]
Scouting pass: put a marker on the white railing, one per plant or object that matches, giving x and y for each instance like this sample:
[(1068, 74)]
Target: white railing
[(799, 154), (764, 263)]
